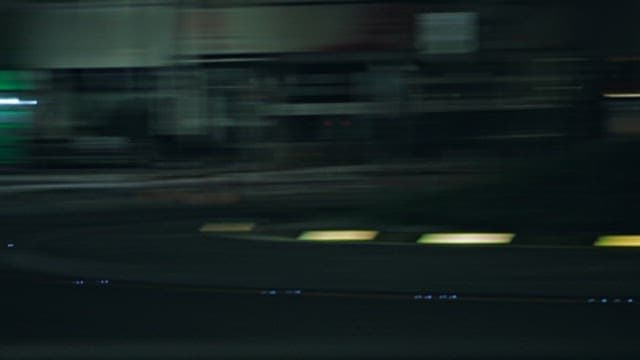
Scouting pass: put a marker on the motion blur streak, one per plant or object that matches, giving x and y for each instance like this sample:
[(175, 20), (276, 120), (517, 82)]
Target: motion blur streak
[(622, 95), (227, 227), (16, 101), (466, 239), (618, 240), (338, 235)]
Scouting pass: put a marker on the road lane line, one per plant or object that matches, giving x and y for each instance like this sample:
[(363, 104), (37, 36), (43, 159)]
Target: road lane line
[(227, 227), (466, 238), (618, 241), (338, 235)]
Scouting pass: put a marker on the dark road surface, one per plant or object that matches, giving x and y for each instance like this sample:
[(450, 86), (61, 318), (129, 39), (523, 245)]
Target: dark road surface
[(175, 293), (122, 321)]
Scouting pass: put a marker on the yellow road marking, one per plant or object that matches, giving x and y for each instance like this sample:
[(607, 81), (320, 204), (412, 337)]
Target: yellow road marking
[(618, 240), (338, 235), (227, 227), (466, 238)]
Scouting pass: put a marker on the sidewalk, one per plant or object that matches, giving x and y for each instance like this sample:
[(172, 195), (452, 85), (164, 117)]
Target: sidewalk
[(241, 174)]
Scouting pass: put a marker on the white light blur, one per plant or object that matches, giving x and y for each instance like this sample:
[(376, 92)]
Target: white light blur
[(17, 101)]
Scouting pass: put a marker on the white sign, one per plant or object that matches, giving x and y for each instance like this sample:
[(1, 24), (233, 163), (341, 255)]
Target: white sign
[(447, 33)]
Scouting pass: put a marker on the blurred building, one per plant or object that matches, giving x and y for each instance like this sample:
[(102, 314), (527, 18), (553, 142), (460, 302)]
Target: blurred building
[(318, 80)]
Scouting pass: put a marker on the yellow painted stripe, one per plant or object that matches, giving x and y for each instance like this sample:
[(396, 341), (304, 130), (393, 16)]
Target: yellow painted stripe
[(622, 95), (466, 238), (338, 235), (618, 240), (227, 227)]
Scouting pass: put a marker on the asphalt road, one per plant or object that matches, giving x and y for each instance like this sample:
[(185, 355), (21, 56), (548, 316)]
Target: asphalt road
[(145, 283), (46, 319)]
